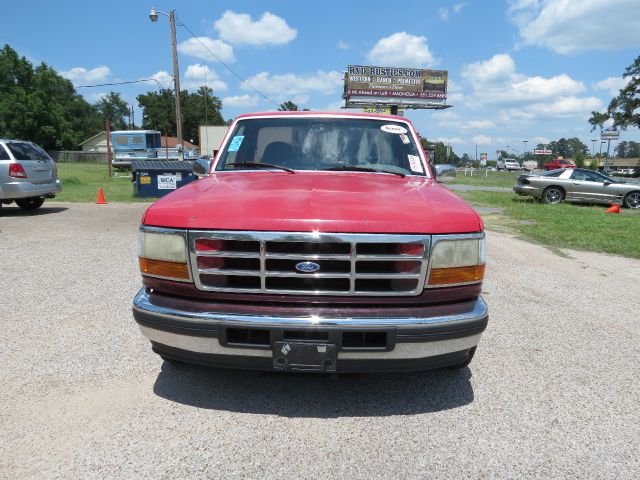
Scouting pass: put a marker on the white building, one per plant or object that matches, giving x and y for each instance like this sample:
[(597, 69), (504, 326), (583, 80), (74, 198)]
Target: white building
[(211, 137), (95, 144)]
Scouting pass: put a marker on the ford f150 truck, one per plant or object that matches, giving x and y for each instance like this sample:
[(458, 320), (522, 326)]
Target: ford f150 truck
[(313, 242)]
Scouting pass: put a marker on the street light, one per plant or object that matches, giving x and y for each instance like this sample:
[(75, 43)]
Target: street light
[(153, 16), (525, 147), (593, 146)]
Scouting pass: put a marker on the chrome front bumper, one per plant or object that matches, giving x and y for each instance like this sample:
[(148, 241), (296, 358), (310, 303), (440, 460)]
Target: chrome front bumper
[(184, 330)]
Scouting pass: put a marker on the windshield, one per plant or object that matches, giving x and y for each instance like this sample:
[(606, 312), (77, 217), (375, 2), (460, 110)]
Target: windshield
[(305, 143), (27, 151)]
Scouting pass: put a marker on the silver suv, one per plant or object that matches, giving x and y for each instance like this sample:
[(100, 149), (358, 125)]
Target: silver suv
[(27, 174)]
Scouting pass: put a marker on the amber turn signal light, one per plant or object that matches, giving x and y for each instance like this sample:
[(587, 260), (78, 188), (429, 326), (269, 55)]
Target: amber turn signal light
[(162, 268), (447, 276)]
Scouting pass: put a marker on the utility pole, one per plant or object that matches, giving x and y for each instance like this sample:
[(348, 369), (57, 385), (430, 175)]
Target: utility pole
[(107, 131), (176, 82), (593, 146)]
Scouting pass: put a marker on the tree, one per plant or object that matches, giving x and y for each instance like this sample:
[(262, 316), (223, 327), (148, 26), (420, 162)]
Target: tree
[(39, 105), (158, 111), (289, 106), (116, 108), (624, 109), (628, 149), (579, 159), (441, 153)]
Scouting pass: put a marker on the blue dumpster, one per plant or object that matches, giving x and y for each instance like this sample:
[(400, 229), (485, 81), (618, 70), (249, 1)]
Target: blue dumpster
[(156, 178)]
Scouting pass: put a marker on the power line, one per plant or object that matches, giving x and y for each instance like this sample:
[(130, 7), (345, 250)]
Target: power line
[(227, 66), (122, 83)]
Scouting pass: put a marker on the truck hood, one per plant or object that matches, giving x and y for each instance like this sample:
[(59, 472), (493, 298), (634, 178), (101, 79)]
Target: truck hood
[(341, 202)]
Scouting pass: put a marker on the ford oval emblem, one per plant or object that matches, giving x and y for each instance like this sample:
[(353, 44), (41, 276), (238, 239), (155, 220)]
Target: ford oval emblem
[(307, 267)]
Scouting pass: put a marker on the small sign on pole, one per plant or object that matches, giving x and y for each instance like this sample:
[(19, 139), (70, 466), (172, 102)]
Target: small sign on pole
[(542, 152)]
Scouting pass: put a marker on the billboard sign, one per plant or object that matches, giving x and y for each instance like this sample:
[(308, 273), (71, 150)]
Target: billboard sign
[(609, 134), (483, 159), (391, 82), (542, 152)]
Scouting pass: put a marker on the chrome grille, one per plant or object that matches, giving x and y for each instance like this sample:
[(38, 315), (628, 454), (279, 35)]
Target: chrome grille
[(349, 264)]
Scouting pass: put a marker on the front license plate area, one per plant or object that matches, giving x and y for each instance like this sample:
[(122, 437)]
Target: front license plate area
[(309, 357)]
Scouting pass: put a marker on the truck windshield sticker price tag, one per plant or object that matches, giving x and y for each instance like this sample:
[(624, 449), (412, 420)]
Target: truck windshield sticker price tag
[(167, 182), (415, 164), (236, 141), (404, 138), (393, 129)]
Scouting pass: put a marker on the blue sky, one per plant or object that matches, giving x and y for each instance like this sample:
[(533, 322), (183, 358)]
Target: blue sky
[(519, 70)]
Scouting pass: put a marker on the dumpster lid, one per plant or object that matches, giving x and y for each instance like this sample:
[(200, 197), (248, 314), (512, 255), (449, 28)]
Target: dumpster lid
[(161, 166)]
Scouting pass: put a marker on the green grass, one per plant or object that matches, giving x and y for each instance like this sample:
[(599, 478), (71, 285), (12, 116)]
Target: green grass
[(492, 179), (581, 227), (80, 183)]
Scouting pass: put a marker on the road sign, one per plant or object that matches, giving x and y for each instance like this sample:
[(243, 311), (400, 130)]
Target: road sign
[(609, 134), (542, 152)]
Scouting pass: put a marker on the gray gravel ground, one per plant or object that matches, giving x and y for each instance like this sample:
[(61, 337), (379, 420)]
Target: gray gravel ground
[(552, 392)]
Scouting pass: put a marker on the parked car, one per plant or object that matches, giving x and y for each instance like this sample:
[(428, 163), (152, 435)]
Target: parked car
[(315, 242), (508, 164), (578, 185), (558, 163), (27, 174)]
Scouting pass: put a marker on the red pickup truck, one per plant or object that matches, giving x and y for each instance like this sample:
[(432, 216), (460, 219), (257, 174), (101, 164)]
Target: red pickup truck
[(558, 163), (314, 242)]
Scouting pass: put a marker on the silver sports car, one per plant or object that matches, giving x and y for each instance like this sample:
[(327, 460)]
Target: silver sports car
[(578, 185)]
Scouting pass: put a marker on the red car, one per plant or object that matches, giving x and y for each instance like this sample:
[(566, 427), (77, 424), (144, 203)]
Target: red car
[(315, 242), (558, 163)]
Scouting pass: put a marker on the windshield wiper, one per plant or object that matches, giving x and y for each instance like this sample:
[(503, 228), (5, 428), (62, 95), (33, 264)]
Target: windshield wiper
[(355, 168), (259, 165)]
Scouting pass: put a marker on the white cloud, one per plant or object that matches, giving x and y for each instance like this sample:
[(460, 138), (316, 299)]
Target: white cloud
[(482, 140), (448, 140), (195, 47), (495, 81), (80, 75), (402, 49), (575, 26), (612, 84), (290, 84), (95, 97), (343, 45), (560, 108), (240, 28), (452, 120), (537, 140), (457, 8), (444, 12), (163, 78), (194, 77), (240, 101)]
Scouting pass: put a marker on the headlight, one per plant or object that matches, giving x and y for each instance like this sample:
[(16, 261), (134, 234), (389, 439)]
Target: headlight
[(457, 261), (163, 255)]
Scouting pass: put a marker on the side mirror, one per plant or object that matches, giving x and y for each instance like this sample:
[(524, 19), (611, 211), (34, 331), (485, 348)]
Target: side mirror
[(202, 166)]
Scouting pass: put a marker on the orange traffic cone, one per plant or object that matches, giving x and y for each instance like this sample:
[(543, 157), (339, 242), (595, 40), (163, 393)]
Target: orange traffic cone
[(101, 200), (613, 209)]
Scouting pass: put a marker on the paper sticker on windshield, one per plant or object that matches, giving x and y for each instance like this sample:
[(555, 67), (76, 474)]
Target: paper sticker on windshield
[(236, 141), (404, 138), (415, 164), (393, 129)]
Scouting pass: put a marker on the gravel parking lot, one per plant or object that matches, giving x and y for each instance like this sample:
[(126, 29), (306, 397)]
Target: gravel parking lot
[(553, 390)]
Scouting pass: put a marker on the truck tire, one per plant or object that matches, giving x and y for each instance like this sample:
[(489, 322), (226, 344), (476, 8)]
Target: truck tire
[(30, 203)]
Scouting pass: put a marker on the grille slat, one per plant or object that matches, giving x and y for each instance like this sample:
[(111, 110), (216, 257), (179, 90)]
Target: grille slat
[(264, 262)]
